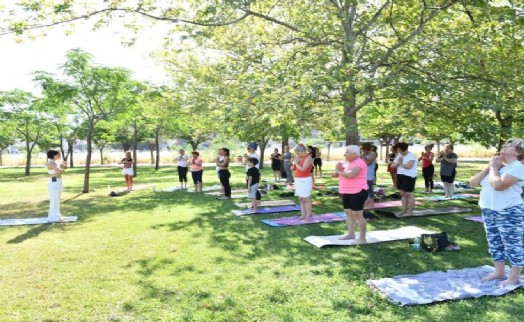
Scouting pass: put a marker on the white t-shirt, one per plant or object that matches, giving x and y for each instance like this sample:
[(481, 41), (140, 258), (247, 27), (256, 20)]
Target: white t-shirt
[(182, 160), (500, 200), (405, 160), (220, 159), (256, 156)]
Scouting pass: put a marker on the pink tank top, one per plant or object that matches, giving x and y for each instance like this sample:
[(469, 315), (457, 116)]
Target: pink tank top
[(195, 166), (355, 184)]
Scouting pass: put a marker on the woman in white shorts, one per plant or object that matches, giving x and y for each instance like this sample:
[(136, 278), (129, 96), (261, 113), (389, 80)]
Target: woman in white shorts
[(128, 170), (303, 180)]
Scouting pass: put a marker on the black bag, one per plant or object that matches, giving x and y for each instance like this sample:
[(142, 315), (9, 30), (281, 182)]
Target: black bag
[(434, 242)]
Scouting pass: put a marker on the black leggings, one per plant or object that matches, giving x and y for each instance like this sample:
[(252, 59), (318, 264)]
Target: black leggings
[(224, 176), (428, 173), (182, 173)]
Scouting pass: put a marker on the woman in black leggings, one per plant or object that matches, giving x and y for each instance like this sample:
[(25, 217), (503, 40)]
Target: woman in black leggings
[(223, 173)]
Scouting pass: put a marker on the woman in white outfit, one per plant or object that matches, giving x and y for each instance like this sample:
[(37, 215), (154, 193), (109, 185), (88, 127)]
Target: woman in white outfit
[(127, 171), (55, 170)]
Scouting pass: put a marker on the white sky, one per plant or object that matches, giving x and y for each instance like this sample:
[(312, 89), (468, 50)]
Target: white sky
[(19, 60)]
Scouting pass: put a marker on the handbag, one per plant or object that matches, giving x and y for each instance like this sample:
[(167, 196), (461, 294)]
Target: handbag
[(434, 242)]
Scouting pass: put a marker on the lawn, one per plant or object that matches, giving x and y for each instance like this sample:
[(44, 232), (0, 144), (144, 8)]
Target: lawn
[(178, 256)]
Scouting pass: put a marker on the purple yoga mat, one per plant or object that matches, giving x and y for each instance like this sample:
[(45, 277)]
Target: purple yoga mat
[(389, 204), (295, 221), (475, 219), (266, 210)]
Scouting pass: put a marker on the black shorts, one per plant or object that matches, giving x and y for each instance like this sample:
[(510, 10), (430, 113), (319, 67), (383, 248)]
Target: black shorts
[(275, 166), (354, 201), (317, 162), (406, 183), (448, 179), (197, 176)]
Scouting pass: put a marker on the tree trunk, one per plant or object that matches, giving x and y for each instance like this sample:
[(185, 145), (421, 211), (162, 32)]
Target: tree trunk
[(263, 146), (88, 156), (285, 142), (157, 147), (101, 156), (70, 147), (152, 153), (328, 150), (62, 147), (506, 124), (1, 160), (27, 158), (350, 120)]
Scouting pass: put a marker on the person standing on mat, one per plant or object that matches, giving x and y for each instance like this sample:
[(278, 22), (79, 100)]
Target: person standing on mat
[(392, 169), (448, 164), (428, 169), (288, 162), (197, 170), (317, 162), (253, 180), (54, 186), (353, 189), (182, 168), (406, 164), (127, 171), (370, 158), (252, 153), (302, 166), (503, 210), (276, 162), (223, 172)]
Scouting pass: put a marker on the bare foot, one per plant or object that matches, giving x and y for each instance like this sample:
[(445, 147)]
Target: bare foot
[(307, 218), (509, 282), (400, 214), (407, 214), (346, 237), (493, 276), (360, 241)]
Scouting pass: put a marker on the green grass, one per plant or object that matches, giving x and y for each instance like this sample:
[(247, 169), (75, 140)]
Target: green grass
[(153, 256)]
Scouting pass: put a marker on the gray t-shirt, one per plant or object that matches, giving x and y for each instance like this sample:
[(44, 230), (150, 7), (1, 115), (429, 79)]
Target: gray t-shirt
[(447, 168)]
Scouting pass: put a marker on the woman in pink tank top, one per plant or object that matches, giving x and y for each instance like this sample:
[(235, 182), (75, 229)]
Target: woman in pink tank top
[(353, 189)]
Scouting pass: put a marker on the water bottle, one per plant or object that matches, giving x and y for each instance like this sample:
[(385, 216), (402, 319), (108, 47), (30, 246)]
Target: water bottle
[(416, 244)]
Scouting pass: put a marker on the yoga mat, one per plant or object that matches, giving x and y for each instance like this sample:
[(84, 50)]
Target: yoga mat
[(478, 219), (138, 187), (389, 204), (429, 212), (34, 221), (295, 221), (268, 203), (172, 189), (266, 210), (455, 197), (218, 193), (440, 286), (377, 236)]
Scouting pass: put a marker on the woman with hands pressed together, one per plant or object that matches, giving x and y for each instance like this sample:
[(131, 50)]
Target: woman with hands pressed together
[(353, 189), (503, 210), (303, 163), (406, 164)]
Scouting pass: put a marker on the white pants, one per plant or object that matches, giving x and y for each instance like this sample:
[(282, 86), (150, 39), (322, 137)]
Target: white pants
[(55, 192)]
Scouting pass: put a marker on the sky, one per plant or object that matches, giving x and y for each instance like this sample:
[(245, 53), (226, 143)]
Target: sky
[(19, 60)]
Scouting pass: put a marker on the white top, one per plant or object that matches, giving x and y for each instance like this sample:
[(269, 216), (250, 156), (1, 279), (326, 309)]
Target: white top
[(220, 159), (254, 155), (405, 160), (181, 160), (500, 200)]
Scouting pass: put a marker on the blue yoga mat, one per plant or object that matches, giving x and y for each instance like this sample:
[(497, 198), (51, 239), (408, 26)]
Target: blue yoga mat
[(266, 210), (439, 286), (33, 221)]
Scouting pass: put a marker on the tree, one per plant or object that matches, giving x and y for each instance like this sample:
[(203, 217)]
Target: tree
[(97, 93), (26, 112), (357, 40), (7, 132)]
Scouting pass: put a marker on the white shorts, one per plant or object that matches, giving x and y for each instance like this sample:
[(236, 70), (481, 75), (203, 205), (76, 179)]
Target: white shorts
[(253, 191), (303, 187), (128, 171)]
